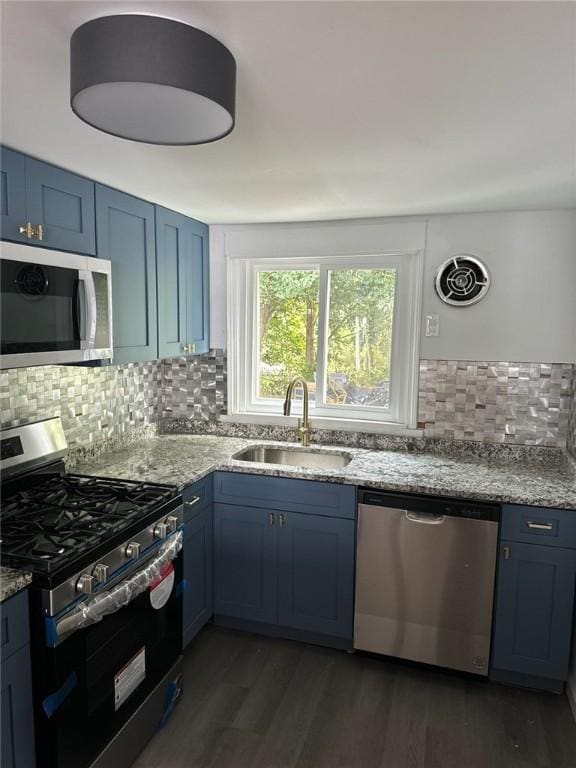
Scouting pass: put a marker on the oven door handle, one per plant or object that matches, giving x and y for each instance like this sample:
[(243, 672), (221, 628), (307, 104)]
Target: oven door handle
[(117, 597)]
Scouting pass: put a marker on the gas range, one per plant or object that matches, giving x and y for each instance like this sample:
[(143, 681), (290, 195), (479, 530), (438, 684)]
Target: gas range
[(74, 532), (105, 599)]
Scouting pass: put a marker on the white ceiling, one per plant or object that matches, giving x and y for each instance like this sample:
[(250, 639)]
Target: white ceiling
[(344, 109)]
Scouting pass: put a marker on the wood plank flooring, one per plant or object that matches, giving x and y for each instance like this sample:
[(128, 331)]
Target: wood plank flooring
[(254, 702)]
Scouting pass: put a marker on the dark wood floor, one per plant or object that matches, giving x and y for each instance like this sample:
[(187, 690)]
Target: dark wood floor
[(253, 702)]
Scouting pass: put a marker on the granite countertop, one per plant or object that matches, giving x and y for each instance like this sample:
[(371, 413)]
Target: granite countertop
[(184, 459), (12, 581)]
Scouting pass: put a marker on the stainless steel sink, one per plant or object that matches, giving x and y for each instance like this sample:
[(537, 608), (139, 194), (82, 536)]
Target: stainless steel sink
[(294, 458)]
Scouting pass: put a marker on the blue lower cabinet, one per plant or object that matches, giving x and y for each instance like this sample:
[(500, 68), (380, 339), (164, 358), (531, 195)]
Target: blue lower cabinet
[(287, 570), (534, 614), (16, 706), (197, 596), (245, 563), (316, 573)]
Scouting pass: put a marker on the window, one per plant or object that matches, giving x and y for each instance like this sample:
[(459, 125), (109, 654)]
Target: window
[(346, 325)]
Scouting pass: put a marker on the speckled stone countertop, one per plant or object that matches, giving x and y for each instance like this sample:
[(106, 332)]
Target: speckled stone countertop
[(183, 459), (12, 582)]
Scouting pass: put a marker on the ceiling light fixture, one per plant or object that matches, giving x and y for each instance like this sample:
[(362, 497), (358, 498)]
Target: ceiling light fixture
[(151, 79)]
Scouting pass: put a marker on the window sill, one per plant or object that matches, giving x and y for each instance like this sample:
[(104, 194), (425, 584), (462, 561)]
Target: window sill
[(324, 422)]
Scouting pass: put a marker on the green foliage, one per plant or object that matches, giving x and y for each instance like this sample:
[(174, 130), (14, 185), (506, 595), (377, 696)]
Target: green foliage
[(359, 328), (286, 329)]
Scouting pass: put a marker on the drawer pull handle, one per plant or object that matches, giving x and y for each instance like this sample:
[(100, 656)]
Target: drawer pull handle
[(282, 520), (271, 518), (540, 526), (506, 553), (193, 501)]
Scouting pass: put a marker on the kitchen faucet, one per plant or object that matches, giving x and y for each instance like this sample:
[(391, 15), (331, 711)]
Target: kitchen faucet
[(303, 423)]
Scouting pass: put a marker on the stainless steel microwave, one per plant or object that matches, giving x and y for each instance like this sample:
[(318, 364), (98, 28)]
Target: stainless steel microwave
[(55, 307)]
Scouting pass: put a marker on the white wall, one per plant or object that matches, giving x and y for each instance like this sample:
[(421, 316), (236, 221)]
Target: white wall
[(529, 314)]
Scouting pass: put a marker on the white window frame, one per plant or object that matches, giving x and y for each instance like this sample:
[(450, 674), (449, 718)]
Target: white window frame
[(243, 342)]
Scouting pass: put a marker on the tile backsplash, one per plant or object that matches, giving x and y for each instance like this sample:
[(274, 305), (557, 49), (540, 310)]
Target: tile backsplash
[(571, 438), (496, 402), (485, 402), (94, 404)]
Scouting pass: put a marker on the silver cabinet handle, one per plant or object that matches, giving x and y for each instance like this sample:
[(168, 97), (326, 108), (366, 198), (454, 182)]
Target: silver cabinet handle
[(193, 501), (540, 526), (271, 518), (282, 520), (506, 552)]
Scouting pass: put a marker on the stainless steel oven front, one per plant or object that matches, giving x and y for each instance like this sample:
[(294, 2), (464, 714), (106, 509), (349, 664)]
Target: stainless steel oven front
[(56, 307)]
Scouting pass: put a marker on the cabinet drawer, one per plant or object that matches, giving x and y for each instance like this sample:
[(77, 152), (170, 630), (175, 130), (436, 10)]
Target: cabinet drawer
[(307, 496), (539, 525), (14, 632), (197, 497)]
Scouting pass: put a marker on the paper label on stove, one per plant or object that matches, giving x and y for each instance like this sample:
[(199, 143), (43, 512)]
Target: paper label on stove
[(129, 678), (161, 587)]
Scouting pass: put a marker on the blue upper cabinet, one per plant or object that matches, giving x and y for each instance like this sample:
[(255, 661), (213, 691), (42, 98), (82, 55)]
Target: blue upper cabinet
[(125, 234), (183, 284), (171, 254), (40, 195), (197, 286), (182, 262), (63, 204), (12, 194)]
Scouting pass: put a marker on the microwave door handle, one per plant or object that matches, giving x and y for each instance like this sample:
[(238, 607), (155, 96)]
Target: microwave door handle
[(87, 308)]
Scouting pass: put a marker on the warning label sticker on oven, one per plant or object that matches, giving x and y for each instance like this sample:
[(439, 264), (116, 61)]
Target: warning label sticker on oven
[(161, 587), (129, 678)]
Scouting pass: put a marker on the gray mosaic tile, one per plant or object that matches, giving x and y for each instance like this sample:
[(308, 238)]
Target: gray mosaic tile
[(571, 434), (95, 404), (496, 402), (195, 387)]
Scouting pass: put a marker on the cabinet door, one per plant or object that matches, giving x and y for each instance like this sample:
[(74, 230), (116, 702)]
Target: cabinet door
[(245, 563), (12, 194), (198, 573), (198, 286), (17, 736), (534, 609), (316, 573), (125, 231), (172, 246), (64, 204)]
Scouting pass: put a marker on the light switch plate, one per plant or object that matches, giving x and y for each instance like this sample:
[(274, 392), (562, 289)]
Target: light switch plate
[(432, 325)]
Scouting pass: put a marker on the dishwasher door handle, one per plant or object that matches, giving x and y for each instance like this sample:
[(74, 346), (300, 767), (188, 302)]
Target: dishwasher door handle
[(427, 518)]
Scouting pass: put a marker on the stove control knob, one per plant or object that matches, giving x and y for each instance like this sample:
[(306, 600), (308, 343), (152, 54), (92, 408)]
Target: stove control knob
[(161, 531), (172, 523), (132, 550), (85, 584), (100, 572)]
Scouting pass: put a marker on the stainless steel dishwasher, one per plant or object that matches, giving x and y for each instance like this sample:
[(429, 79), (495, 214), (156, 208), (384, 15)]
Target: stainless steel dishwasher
[(425, 579)]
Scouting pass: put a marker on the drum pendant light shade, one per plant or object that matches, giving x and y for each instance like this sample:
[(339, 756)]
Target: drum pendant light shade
[(153, 80)]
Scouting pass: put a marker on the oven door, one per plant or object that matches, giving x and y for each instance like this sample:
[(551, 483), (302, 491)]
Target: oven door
[(55, 307), (92, 682)]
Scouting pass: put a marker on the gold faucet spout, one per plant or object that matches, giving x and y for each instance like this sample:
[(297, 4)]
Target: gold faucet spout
[(304, 423)]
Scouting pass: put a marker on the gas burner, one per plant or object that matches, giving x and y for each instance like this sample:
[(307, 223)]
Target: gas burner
[(49, 520), (45, 549)]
